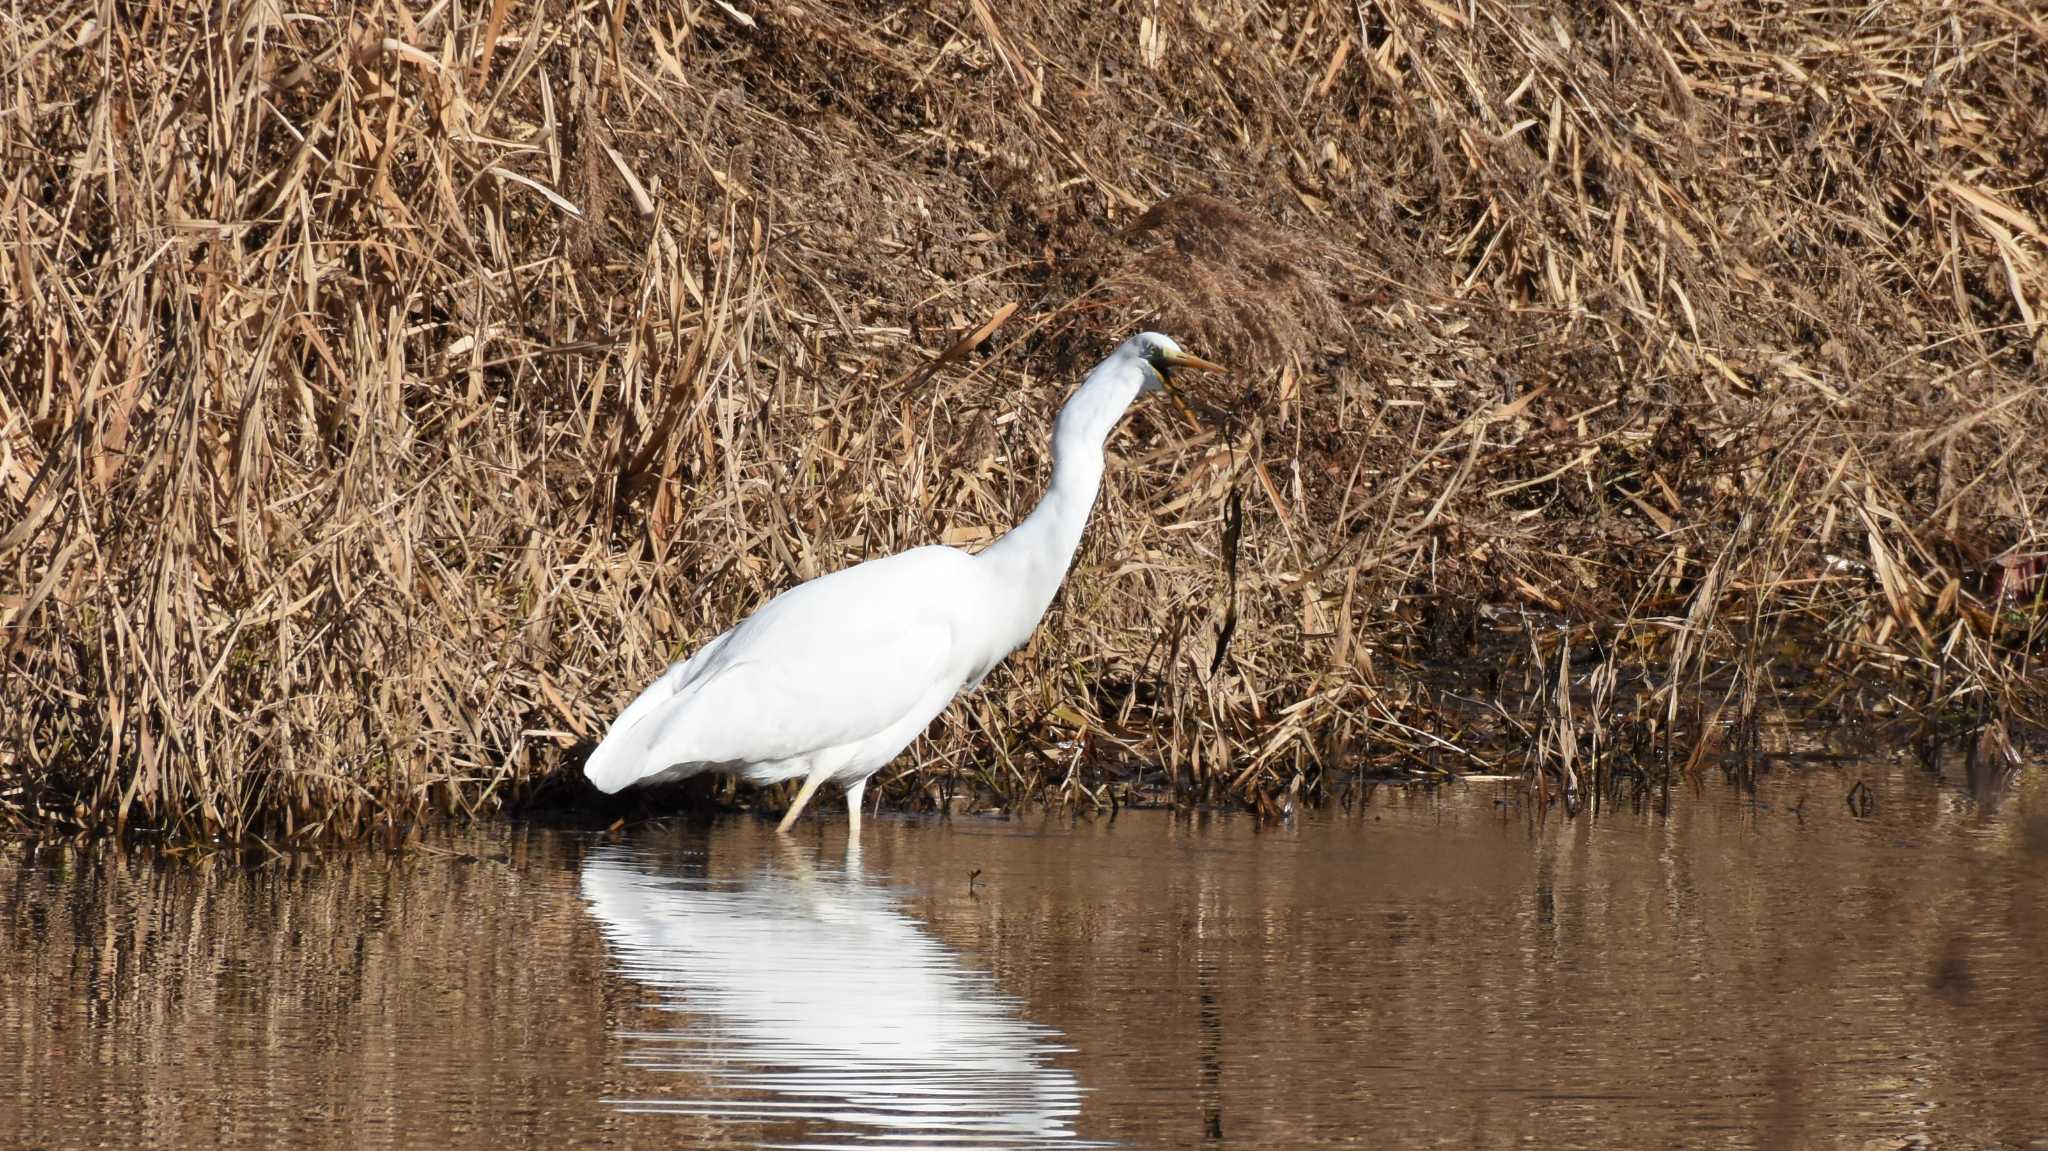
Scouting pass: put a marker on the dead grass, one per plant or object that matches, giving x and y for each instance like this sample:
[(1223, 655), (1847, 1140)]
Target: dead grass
[(387, 392)]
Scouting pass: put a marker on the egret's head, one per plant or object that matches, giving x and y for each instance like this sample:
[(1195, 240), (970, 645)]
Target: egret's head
[(1160, 358)]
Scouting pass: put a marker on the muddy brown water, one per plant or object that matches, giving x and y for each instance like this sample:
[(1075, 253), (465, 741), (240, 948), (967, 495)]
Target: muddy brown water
[(1436, 967)]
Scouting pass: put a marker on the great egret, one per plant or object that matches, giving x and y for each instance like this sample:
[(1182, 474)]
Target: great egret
[(834, 677)]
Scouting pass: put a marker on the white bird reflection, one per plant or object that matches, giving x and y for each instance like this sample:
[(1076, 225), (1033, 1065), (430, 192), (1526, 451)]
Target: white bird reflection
[(817, 1005)]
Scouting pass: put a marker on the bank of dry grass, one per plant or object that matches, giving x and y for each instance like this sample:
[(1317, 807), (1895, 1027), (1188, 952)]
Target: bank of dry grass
[(390, 391)]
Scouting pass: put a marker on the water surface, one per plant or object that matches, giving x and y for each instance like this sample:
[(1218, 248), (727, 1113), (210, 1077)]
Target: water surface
[(1433, 967)]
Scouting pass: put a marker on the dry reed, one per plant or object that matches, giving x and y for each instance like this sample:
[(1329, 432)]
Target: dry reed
[(387, 392)]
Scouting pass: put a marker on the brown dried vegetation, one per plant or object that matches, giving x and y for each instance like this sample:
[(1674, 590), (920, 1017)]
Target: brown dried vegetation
[(387, 392)]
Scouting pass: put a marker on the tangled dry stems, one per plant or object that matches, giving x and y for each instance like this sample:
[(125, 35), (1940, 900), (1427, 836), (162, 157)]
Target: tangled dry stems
[(389, 392)]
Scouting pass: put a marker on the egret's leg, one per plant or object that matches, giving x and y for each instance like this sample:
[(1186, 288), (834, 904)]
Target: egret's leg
[(853, 805), (803, 796)]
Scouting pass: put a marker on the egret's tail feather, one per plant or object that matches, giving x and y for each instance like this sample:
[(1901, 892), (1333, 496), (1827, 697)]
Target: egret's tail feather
[(625, 758), (622, 758), (611, 767)]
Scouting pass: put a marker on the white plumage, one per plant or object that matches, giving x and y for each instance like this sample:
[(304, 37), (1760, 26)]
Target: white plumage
[(834, 677)]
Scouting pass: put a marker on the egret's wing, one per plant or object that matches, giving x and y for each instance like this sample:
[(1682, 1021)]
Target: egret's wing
[(828, 663), (620, 758), (679, 675)]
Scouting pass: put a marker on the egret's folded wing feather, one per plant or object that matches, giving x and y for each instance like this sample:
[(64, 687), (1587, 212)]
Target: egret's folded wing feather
[(823, 665), (777, 709), (619, 758), (672, 683)]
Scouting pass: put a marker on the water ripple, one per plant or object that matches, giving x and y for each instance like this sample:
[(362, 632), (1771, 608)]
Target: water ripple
[(815, 1006)]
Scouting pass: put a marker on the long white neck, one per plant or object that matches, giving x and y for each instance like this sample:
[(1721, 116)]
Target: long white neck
[(1027, 565)]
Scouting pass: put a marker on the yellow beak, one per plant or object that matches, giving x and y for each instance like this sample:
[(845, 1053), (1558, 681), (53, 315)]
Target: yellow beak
[(1174, 361), (1184, 360)]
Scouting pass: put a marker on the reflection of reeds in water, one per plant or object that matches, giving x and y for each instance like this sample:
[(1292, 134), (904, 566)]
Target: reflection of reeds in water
[(815, 1000)]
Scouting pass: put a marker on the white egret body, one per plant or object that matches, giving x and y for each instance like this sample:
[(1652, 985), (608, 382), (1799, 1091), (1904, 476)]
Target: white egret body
[(831, 679)]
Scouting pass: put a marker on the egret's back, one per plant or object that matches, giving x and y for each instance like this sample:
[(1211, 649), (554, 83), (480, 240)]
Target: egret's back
[(823, 666)]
